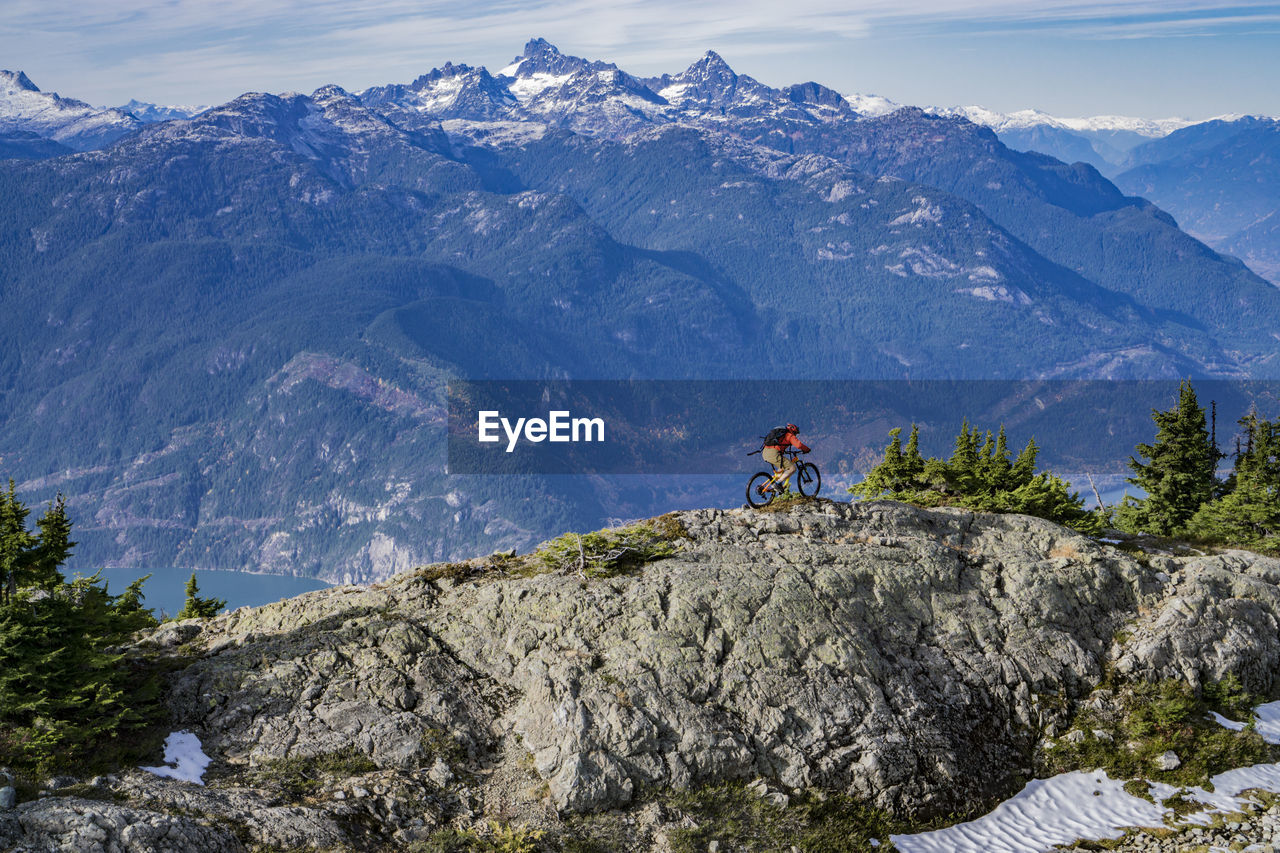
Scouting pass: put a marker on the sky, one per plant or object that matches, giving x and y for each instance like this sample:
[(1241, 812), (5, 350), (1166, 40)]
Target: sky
[(1187, 58)]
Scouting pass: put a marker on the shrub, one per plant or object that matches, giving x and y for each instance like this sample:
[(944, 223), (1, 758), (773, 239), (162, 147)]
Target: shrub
[(612, 551), (981, 475)]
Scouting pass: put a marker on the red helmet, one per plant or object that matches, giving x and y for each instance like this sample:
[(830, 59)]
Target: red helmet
[(793, 428)]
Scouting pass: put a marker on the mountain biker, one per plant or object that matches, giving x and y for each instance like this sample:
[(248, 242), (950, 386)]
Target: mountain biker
[(783, 466)]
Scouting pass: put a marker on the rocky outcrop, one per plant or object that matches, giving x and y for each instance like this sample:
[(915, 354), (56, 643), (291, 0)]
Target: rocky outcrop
[(1217, 615), (910, 658), (58, 823)]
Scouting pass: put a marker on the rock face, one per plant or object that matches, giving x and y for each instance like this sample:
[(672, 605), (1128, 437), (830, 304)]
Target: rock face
[(92, 825), (909, 657)]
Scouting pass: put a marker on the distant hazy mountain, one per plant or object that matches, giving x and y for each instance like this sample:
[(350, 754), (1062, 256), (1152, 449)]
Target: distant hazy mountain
[(1101, 141), (1217, 177), (148, 113), (25, 145), (75, 124), (237, 327), (1221, 180)]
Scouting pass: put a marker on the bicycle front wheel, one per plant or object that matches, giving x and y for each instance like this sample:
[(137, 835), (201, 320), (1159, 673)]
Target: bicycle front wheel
[(808, 479), (754, 496)]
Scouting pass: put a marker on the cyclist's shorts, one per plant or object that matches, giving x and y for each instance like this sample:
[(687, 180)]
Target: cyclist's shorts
[(772, 455)]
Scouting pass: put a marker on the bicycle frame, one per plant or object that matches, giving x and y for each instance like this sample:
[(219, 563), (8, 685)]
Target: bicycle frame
[(788, 453)]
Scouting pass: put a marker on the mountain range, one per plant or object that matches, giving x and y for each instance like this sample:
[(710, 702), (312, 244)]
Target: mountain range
[(1217, 177), (1221, 179), (231, 333)]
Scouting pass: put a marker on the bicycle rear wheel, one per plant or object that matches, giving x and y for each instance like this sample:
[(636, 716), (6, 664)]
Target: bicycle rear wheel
[(808, 479), (754, 498)]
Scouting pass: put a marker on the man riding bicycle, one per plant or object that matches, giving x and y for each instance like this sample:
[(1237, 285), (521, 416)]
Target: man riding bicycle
[(783, 466)]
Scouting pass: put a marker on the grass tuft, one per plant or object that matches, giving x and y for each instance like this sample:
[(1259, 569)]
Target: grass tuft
[(302, 776), (1167, 716)]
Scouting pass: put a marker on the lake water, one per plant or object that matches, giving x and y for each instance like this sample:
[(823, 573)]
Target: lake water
[(165, 590)]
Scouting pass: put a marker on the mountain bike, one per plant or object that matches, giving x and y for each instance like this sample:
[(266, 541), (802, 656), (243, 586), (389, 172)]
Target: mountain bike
[(762, 488)]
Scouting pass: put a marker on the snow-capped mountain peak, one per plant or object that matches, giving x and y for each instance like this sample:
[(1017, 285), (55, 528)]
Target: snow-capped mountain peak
[(542, 57), (149, 113), (444, 72), (709, 72), (546, 87), (872, 105), (449, 92), (542, 66), (330, 125), (710, 82), (713, 62), (23, 107), (16, 80)]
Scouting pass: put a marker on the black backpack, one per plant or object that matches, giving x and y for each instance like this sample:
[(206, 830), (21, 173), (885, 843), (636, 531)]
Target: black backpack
[(774, 437)]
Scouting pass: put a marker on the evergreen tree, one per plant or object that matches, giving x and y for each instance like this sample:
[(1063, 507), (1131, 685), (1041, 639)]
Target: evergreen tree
[(54, 549), (996, 465), (979, 477), (963, 465), (1248, 514), (891, 474), (1179, 474), (1024, 467), (913, 462), (62, 686), (16, 542), (131, 615), (196, 607)]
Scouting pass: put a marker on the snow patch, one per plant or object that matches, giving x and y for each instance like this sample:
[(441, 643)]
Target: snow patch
[(872, 105), (493, 133), (924, 212), (673, 93), (841, 252), (997, 293), (924, 261), (442, 94), (1266, 719), (1233, 783), (183, 759), (525, 88), (1045, 813), (1081, 806)]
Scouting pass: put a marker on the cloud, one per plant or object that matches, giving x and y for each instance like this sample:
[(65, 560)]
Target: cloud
[(1100, 20)]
